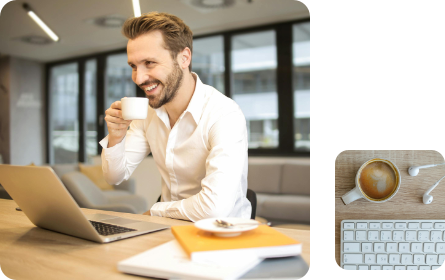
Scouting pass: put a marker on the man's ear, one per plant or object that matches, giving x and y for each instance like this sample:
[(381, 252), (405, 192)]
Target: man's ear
[(185, 58)]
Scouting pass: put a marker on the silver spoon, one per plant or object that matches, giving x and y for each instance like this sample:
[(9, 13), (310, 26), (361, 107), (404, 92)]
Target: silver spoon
[(224, 224)]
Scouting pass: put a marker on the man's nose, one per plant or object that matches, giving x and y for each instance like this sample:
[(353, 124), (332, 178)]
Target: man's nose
[(141, 77)]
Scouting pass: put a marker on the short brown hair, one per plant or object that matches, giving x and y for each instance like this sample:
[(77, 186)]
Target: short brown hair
[(177, 35)]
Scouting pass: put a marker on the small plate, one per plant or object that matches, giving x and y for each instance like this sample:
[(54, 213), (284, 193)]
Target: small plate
[(210, 226)]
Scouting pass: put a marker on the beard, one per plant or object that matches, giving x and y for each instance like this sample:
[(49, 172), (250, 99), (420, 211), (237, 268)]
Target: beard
[(169, 88)]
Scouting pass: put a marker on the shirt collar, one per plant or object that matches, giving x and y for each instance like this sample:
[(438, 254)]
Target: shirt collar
[(195, 105)]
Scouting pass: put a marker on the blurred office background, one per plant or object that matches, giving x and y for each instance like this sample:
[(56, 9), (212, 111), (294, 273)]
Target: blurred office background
[(53, 94)]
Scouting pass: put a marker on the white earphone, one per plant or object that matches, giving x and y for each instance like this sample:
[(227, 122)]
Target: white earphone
[(414, 170)]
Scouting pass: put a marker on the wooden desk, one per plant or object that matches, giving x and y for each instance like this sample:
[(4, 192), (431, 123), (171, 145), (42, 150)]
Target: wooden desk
[(28, 252), (406, 204)]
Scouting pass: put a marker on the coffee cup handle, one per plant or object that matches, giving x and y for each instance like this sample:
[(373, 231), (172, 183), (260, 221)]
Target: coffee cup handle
[(352, 195)]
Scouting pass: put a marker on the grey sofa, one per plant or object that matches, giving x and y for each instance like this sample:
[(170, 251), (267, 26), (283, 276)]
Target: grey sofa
[(88, 195), (283, 190)]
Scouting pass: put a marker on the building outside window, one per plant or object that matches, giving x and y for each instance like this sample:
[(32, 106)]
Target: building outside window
[(301, 85), (64, 121), (254, 63), (208, 61)]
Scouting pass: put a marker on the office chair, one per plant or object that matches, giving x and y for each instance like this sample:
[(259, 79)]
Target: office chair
[(251, 196)]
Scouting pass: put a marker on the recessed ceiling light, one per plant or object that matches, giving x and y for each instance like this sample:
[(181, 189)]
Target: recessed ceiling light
[(36, 40)]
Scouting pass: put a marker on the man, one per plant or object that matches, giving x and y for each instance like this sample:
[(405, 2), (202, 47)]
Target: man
[(197, 136)]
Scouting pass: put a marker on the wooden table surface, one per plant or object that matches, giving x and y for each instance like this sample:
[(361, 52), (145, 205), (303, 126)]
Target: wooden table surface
[(406, 204), (29, 252)]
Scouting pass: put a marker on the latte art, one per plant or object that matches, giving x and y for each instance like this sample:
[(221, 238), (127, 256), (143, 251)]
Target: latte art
[(378, 180)]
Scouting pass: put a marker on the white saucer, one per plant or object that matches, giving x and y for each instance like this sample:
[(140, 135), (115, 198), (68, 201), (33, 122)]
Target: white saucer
[(210, 226)]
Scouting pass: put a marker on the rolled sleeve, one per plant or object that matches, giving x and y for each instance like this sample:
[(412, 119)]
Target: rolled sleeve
[(119, 161)]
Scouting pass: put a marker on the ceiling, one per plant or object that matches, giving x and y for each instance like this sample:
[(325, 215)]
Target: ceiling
[(70, 20)]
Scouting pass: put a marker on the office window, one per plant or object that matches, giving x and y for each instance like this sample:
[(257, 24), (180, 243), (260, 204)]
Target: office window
[(254, 63), (208, 61), (90, 108), (301, 85), (118, 82), (64, 123)]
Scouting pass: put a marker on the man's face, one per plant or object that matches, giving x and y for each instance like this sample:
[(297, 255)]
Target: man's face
[(154, 70)]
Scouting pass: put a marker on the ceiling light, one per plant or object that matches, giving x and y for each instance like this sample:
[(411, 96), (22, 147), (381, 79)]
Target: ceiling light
[(42, 25), (136, 8)]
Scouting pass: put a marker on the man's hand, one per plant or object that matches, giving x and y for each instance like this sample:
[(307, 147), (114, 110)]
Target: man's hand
[(147, 213), (117, 126)]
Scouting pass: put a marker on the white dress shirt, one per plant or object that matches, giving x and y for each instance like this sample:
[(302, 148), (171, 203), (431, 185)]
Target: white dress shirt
[(202, 159)]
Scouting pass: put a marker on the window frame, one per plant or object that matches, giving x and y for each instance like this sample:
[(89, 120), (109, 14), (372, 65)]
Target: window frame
[(284, 41)]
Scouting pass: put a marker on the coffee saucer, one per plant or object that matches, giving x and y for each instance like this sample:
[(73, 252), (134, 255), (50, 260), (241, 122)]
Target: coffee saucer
[(210, 225)]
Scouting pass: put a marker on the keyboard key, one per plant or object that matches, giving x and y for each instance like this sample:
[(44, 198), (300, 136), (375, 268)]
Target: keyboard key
[(416, 247), (413, 225), (366, 247), (426, 225), (373, 235), (423, 235), (376, 267), (419, 259), (424, 267), (436, 235), (348, 225), (360, 235), (400, 225), (440, 247), (411, 235), (394, 258), (353, 258), (435, 267), (439, 225), (370, 258), (399, 267), (348, 235), (382, 258), (391, 247), (398, 235), (363, 267), (428, 247), (385, 235), (350, 267), (362, 225), (388, 267), (412, 267), (379, 247), (374, 225), (351, 247), (404, 247), (407, 259), (431, 259), (387, 225), (441, 259)]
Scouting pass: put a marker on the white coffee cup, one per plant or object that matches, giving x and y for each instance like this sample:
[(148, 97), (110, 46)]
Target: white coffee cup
[(134, 108), (358, 192)]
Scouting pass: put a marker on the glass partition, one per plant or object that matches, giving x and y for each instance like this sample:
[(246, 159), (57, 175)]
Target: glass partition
[(64, 121), (90, 108), (208, 61), (118, 82), (301, 85), (254, 63)]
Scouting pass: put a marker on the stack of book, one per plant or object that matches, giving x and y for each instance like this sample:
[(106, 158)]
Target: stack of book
[(197, 254)]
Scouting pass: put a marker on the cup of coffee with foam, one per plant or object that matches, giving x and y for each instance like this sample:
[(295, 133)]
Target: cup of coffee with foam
[(134, 108), (377, 180)]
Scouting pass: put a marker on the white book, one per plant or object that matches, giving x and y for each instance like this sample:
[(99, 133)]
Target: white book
[(169, 260)]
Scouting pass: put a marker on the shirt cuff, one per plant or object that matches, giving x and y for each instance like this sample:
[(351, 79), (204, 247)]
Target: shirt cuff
[(116, 150), (170, 209)]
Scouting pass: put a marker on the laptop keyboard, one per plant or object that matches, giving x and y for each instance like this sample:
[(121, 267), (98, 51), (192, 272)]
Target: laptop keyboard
[(108, 229)]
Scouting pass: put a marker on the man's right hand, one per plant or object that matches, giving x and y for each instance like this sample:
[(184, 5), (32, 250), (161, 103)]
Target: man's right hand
[(117, 126)]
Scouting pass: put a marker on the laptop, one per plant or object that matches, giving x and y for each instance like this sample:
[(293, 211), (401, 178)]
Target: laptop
[(47, 203)]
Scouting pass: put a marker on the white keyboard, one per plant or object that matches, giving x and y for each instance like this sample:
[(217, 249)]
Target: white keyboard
[(392, 244)]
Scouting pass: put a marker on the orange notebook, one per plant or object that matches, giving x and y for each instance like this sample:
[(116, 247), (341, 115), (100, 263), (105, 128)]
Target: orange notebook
[(263, 242)]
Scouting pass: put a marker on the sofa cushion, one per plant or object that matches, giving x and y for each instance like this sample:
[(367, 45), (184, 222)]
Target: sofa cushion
[(83, 190), (62, 169), (296, 179), (264, 178), (94, 173), (284, 207)]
